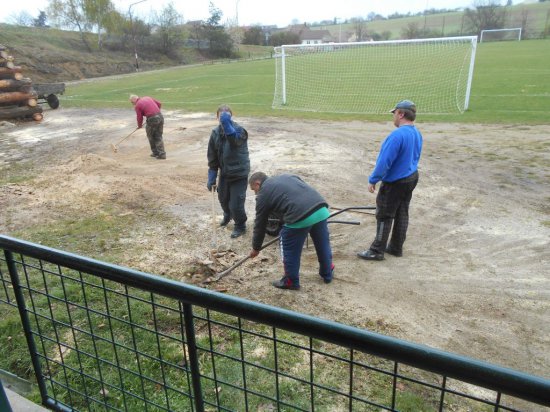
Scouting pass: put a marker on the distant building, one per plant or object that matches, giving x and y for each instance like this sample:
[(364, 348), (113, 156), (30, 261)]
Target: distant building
[(315, 36), (308, 36)]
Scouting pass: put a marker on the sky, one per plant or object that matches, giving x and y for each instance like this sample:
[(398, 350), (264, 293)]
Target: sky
[(263, 12)]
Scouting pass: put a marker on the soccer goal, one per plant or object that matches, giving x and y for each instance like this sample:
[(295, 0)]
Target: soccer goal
[(370, 77), (500, 34)]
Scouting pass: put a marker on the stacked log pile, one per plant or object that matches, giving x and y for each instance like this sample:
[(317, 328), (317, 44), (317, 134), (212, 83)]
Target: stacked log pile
[(18, 99)]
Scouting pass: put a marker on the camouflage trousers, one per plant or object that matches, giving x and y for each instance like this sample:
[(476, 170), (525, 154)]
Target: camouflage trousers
[(154, 129)]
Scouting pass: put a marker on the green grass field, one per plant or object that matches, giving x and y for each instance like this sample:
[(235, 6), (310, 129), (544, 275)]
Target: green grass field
[(510, 85)]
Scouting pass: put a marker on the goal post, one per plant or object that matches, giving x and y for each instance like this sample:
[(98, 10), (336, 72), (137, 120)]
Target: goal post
[(500, 34), (369, 77)]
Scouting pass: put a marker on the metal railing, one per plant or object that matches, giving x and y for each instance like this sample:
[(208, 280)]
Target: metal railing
[(104, 337)]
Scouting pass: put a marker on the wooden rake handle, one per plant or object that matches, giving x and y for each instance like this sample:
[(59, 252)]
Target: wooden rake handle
[(115, 146), (240, 262)]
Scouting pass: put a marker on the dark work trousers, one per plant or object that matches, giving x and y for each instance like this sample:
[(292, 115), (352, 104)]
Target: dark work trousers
[(392, 205), (154, 128), (232, 195), (292, 242)]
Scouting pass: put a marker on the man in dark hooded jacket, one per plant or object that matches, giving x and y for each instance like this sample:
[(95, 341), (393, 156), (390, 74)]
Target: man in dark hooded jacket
[(228, 155)]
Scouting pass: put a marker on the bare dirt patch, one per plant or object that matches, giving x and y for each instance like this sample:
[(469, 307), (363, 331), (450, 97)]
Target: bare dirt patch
[(475, 276)]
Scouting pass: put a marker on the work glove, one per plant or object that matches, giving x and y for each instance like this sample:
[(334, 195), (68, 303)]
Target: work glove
[(212, 175), (227, 124)]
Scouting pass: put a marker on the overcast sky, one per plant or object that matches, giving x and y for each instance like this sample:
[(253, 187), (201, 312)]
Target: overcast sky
[(265, 12)]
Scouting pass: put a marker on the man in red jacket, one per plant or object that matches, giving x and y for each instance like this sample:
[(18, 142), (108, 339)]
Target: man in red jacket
[(150, 108)]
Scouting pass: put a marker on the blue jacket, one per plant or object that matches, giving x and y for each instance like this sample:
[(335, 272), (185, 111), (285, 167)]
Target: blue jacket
[(399, 155)]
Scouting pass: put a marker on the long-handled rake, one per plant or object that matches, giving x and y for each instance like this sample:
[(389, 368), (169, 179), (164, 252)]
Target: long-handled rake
[(244, 259), (214, 235), (115, 146)]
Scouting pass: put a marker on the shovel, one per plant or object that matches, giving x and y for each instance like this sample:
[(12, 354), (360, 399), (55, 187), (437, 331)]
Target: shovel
[(115, 146)]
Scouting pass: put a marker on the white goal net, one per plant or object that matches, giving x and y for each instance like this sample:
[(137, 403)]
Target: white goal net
[(500, 34), (369, 77)]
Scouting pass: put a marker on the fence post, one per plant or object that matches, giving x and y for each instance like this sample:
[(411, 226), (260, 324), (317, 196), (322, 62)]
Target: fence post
[(25, 321), (193, 356), (4, 402)]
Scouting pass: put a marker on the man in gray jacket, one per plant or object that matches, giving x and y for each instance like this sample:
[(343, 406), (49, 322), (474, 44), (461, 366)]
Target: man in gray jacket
[(304, 212)]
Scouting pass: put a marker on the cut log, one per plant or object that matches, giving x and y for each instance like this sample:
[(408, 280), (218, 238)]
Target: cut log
[(11, 97), (7, 85), (13, 73), (38, 116), (32, 102), (7, 63), (18, 112)]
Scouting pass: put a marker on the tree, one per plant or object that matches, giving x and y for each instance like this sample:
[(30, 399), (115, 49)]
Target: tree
[(374, 16), (359, 28), (220, 43), (235, 33), (487, 15), (411, 31), (116, 23), (215, 15), (284, 37), (170, 32), (385, 35), (524, 22), (70, 14), (21, 19), (546, 31), (254, 35), (96, 13), (196, 30), (40, 21)]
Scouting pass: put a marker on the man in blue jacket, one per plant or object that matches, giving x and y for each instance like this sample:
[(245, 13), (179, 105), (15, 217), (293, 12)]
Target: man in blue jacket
[(228, 153), (397, 169), (304, 212)]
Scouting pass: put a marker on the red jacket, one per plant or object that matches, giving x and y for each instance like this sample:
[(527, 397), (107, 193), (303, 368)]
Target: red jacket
[(146, 106)]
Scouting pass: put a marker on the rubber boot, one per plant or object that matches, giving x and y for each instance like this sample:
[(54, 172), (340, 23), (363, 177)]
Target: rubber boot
[(378, 246)]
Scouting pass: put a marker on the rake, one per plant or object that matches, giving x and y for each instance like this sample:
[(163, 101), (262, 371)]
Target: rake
[(115, 146)]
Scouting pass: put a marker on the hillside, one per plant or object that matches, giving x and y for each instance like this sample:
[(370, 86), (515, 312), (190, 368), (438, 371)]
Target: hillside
[(51, 55), (536, 16)]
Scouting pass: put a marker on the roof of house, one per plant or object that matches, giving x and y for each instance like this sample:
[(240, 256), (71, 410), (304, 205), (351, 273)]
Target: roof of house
[(315, 35)]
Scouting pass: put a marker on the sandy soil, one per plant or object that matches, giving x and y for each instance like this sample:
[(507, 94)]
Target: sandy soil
[(475, 275)]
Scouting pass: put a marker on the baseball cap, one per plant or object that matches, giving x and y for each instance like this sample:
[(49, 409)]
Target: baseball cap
[(405, 105)]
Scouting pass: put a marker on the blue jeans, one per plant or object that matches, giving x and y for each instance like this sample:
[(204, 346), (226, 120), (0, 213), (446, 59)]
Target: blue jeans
[(292, 242)]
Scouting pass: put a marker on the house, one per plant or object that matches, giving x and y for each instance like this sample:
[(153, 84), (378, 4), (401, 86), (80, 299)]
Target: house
[(308, 36), (315, 36)]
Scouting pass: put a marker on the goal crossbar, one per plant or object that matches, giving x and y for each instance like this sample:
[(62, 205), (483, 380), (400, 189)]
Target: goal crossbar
[(369, 77)]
